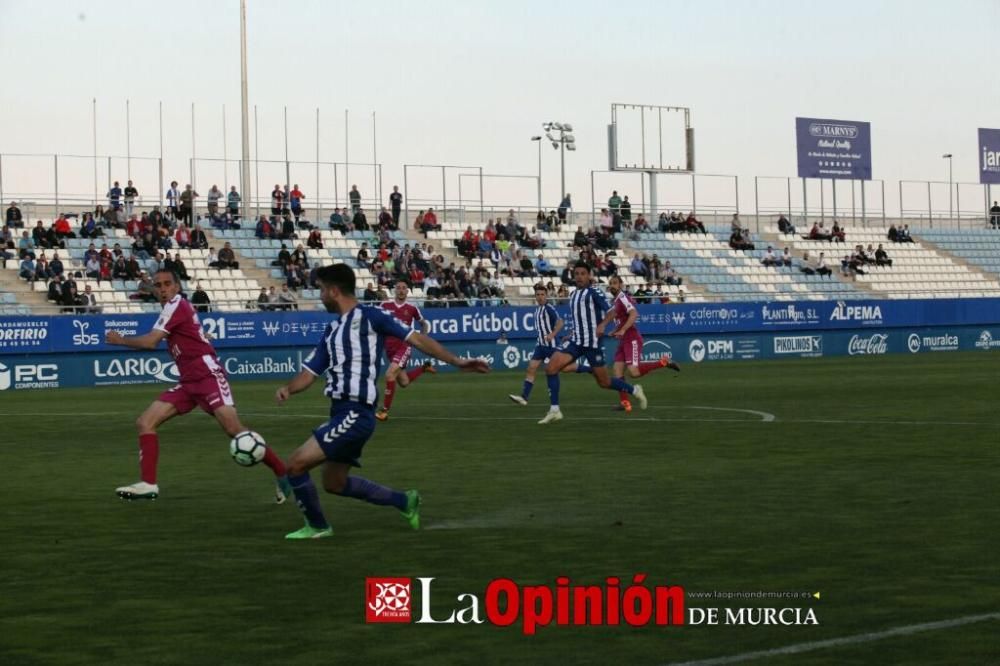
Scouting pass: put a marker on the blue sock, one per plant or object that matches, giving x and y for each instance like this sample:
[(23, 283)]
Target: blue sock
[(308, 500), (526, 389), (553, 381), (618, 384), (583, 368), (361, 488)]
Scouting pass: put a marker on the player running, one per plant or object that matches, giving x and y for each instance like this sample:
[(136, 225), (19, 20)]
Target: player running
[(629, 350), (348, 358), (548, 324), (398, 352), (202, 384), (587, 307)]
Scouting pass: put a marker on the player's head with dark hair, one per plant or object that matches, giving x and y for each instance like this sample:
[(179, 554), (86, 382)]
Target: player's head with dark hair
[(336, 287), (581, 274), (166, 285), (615, 285), (541, 294)]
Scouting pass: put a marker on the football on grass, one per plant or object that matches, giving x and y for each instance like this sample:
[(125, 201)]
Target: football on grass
[(247, 448)]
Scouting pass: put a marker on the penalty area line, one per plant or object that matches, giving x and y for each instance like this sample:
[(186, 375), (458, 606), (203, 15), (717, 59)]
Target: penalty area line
[(856, 639)]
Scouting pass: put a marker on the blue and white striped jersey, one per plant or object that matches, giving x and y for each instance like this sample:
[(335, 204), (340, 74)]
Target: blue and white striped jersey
[(350, 353), (546, 319), (587, 308)]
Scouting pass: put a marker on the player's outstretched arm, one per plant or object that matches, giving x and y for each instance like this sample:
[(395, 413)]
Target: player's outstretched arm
[(148, 341), (432, 347), (299, 383)]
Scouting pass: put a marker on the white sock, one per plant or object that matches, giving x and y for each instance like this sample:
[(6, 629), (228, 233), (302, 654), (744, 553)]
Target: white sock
[(554, 408)]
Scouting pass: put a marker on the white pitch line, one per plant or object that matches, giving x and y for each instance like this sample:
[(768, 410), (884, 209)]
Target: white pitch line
[(856, 639)]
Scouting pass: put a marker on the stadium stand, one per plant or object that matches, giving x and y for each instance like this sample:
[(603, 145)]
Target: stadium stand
[(977, 247)]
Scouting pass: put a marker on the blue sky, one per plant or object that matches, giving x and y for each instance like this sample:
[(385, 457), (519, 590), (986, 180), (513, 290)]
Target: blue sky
[(469, 82)]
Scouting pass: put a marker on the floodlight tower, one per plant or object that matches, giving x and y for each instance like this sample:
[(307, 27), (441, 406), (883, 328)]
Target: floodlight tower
[(563, 142)]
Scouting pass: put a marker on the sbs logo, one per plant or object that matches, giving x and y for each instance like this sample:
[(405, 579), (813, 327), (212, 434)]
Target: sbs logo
[(697, 350), (82, 338), (913, 343), (511, 357)]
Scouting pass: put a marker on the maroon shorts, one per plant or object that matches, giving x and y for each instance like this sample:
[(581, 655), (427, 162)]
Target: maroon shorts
[(629, 350), (398, 353), (209, 393)]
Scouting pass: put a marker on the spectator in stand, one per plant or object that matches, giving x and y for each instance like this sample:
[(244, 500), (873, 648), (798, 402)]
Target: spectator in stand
[(134, 228), (272, 299), (396, 204), (105, 270), (92, 268), (54, 293), (28, 267), (738, 241), (416, 277), (88, 301), (543, 267), (626, 213), (606, 221), (355, 196), (119, 270), (639, 267), (226, 259), (89, 228), (818, 233), (115, 197), (214, 194), (25, 246), (233, 200), (786, 258), (263, 301), (769, 259), (337, 222), (430, 222), (295, 199), (178, 266), (820, 265), (838, 233), (315, 240), (277, 200), (564, 206), (200, 299), (385, 219), (132, 268), (198, 239), (287, 228), (174, 200), (264, 230), (72, 301), (40, 235), (56, 265), (735, 224), (784, 226), (370, 294), (670, 276), (68, 286), (418, 223), (14, 218), (364, 257), (144, 291), (183, 237), (360, 220), (641, 224), (693, 224), (130, 194), (300, 256), (62, 227), (186, 210), (287, 299), (904, 234), (882, 257), (614, 204)]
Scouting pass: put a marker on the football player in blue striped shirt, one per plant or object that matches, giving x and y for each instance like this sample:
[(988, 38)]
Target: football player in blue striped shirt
[(587, 308), (548, 323), (349, 358)]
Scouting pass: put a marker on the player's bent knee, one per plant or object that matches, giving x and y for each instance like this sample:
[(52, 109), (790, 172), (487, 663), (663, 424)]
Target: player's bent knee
[(334, 486)]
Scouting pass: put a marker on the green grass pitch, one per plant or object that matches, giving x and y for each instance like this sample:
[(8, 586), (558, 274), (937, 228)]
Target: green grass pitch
[(876, 485)]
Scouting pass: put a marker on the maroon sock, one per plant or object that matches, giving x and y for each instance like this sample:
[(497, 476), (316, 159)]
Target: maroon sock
[(390, 391), (272, 460), (623, 396), (414, 373), (648, 366), (149, 455)]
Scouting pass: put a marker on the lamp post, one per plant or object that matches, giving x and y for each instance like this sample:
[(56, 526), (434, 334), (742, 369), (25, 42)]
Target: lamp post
[(539, 140), (951, 218), (563, 142)]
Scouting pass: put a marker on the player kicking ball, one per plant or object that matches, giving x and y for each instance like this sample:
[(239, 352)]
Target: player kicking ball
[(587, 308), (548, 325), (202, 384), (348, 358), (398, 352), (629, 351)]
